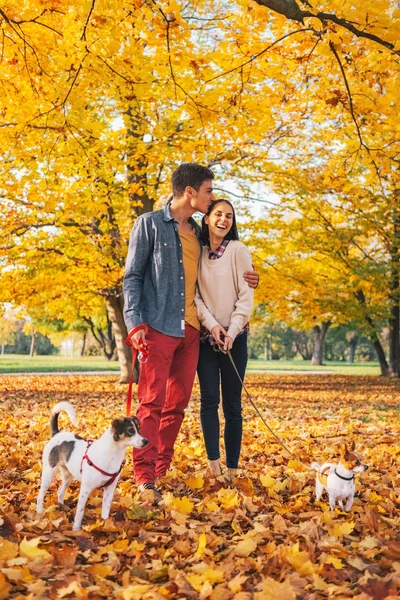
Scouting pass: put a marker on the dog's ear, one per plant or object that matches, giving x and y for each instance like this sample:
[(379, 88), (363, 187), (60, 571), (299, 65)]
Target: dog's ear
[(117, 427), (352, 446), (342, 449)]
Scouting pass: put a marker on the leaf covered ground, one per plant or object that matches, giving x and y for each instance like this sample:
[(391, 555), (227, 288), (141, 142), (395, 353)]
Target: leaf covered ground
[(261, 537)]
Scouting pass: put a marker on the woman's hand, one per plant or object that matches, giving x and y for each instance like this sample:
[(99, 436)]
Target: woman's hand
[(218, 333), (228, 343)]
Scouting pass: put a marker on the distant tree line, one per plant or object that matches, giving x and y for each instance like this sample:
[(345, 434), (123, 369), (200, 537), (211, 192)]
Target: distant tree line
[(18, 342), (280, 342)]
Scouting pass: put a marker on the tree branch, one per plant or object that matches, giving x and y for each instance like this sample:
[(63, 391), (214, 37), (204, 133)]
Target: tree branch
[(291, 10), (87, 20)]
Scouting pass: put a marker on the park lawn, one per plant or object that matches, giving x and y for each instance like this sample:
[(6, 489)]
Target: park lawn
[(18, 363), (261, 537), (340, 368)]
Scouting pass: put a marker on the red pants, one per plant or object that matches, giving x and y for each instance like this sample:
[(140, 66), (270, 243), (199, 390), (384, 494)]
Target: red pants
[(165, 386)]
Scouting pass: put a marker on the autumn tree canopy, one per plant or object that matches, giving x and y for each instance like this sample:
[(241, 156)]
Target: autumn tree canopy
[(102, 100)]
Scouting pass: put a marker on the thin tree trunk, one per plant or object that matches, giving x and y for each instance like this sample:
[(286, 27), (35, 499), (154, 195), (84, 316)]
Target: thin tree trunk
[(2, 347), (352, 349), (140, 200), (115, 311), (394, 285), (33, 340), (319, 333), (84, 339), (373, 334), (102, 340)]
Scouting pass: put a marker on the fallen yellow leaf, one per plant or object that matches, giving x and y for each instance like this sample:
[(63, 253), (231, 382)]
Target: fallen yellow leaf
[(8, 549), (202, 544), (100, 570), (267, 481), (274, 590), (245, 547), (195, 482), (30, 549), (228, 498), (183, 505)]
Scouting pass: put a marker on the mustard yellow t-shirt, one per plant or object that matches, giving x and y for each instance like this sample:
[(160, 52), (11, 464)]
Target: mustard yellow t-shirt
[(191, 256)]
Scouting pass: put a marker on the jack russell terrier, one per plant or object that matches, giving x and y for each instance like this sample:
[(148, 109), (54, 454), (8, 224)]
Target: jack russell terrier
[(94, 463), (338, 480)]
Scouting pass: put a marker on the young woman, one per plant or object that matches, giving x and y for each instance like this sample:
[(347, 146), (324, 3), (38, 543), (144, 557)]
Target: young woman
[(224, 303)]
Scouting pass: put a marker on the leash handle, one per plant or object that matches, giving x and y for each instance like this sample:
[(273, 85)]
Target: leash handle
[(262, 418), (129, 396), (142, 354)]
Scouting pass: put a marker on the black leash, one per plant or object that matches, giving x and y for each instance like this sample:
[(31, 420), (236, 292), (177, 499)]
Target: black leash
[(263, 420)]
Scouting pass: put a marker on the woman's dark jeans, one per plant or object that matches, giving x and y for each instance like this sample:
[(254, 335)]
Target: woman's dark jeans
[(213, 368)]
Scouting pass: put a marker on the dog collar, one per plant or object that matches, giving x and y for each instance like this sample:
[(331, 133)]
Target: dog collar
[(344, 478)]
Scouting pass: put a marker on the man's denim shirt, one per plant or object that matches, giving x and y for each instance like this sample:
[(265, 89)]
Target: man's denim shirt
[(154, 280)]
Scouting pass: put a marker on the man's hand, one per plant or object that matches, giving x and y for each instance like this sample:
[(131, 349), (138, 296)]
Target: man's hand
[(138, 338), (218, 332), (252, 278)]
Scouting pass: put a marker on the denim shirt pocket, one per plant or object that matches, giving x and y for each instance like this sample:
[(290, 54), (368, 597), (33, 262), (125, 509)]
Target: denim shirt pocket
[(165, 255)]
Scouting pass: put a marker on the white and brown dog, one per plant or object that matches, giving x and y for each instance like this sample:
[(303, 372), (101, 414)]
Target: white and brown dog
[(94, 463), (338, 480)]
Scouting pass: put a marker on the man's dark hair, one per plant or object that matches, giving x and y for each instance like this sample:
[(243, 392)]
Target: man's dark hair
[(205, 233), (189, 174)]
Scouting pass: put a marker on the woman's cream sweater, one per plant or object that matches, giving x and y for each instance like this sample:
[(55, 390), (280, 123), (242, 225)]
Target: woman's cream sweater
[(223, 296)]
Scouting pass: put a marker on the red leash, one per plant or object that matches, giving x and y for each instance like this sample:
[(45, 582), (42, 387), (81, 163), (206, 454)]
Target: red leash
[(142, 357)]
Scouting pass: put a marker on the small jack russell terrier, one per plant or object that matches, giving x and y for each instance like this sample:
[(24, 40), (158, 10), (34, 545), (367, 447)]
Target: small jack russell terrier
[(94, 463), (338, 480)]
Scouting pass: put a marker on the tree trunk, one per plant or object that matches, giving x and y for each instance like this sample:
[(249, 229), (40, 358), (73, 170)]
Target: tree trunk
[(352, 348), (394, 341), (381, 356), (115, 311), (84, 344), (137, 168), (394, 285), (106, 342), (2, 347), (319, 333), (33, 340), (373, 334)]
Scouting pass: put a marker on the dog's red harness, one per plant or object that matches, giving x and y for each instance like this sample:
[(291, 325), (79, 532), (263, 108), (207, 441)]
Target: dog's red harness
[(112, 476)]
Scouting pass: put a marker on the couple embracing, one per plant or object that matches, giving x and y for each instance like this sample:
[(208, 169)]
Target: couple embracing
[(184, 284)]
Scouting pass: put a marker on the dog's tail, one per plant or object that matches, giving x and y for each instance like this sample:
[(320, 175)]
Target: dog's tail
[(315, 466), (55, 411)]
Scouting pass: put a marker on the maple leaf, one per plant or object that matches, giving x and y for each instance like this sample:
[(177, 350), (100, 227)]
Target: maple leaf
[(8, 549), (220, 549), (245, 547), (274, 589), (30, 549)]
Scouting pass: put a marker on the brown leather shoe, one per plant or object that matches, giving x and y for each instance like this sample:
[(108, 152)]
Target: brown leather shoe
[(149, 494)]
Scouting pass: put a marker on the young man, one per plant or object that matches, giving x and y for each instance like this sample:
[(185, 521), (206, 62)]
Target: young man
[(159, 291)]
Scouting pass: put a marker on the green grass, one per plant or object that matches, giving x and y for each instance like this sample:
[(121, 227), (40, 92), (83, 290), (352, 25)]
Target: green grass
[(15, 363), (340, 368), (19, 363)]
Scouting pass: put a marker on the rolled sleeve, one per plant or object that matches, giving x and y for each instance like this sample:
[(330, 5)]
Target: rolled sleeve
[(139, 252)]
